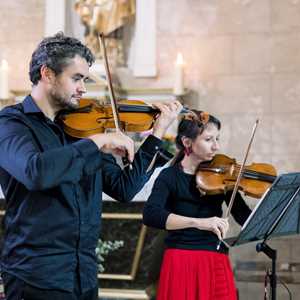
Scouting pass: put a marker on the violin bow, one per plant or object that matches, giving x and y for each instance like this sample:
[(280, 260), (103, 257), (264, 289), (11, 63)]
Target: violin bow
[(236, 186), (113, 101), (109, 83)]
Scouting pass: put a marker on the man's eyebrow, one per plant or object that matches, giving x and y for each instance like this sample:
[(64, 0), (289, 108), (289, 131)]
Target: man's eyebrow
[(79, 75)]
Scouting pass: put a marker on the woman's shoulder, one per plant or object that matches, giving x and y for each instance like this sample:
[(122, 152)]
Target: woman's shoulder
[(169, 172)]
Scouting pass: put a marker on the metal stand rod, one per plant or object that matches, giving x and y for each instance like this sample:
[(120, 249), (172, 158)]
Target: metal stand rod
[(272, 254)]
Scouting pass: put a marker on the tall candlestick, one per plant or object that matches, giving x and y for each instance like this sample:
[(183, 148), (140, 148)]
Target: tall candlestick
[(4, 80), (178, 76)]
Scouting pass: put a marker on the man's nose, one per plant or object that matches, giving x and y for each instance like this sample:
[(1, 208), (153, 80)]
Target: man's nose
[(81, 87)]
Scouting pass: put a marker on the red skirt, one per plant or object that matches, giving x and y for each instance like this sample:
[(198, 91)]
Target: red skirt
[(196, 275)]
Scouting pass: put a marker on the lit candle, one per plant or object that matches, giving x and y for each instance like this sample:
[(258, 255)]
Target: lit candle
[(96, 12), (178, 76), (4, 80)]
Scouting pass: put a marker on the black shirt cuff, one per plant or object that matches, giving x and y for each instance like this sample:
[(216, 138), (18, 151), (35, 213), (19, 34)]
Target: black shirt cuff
[(151, 145)]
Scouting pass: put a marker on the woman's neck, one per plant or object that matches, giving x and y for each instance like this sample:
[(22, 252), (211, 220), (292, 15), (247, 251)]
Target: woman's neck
[(189, 164)]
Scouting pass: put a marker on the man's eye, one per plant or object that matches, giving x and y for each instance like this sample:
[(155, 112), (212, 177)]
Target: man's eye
[(77, 77)]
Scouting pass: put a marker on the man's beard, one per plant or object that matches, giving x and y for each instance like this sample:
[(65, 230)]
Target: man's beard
[(63, 101)]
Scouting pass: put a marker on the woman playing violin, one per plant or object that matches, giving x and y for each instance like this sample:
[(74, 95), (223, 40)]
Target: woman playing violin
[(193, 268)]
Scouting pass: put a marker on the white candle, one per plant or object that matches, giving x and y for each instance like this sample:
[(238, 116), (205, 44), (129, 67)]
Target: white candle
[(95, 16), (4, 80), (178, 76)]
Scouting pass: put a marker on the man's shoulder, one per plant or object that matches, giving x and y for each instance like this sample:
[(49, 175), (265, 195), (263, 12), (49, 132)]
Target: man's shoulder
[(13, 113), (12, 110)]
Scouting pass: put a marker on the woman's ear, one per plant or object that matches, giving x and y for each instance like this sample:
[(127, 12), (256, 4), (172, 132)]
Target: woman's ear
[(187, 142)]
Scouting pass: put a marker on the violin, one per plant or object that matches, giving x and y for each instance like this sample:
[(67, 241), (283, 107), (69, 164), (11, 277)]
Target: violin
[(91, 118), (220, 175), (125, 115)]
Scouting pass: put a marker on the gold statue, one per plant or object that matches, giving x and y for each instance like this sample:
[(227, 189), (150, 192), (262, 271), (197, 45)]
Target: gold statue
[(108, 17)]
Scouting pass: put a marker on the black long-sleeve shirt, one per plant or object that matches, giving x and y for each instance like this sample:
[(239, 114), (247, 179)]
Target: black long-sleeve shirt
[(53, 189), (175, 192)]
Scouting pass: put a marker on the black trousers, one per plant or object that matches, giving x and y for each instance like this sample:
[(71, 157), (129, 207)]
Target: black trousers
[(17, 289)]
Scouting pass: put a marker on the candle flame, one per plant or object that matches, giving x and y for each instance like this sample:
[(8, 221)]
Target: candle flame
[(179, 60)]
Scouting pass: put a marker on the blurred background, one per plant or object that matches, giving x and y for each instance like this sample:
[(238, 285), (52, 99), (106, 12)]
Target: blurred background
[(237, 59)]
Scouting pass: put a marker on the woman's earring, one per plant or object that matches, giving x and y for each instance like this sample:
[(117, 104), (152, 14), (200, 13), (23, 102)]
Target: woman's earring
[(187, 151)]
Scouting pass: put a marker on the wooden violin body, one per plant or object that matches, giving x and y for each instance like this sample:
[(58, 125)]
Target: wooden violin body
[(221, 173), (91, 118)]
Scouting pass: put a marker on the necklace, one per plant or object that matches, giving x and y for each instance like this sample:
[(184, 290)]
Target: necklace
[(187, 170)]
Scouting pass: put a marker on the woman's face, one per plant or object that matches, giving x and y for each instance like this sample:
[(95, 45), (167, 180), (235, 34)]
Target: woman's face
[(205, 146)]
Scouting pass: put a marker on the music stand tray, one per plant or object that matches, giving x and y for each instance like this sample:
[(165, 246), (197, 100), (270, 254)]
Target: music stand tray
[(276, 214)]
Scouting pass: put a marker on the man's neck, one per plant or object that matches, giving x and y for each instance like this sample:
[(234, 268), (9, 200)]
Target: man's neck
[(43, 101)]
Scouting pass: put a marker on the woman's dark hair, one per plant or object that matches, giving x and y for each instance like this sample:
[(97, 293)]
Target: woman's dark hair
[(190, 126), (55, 52)]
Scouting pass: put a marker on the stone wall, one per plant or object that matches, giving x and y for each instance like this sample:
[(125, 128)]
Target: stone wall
[(21, 28), (242, 63)]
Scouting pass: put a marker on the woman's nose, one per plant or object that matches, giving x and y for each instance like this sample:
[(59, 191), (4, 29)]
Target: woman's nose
[(216, 145)]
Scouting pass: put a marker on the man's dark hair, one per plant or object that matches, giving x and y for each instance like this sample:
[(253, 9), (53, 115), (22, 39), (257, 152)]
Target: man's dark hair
[(55, 52)]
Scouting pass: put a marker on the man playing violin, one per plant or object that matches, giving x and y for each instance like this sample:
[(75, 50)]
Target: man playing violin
[(193, 267), (53, 184)]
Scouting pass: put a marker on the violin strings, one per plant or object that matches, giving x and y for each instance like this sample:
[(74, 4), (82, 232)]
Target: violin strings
[(258, 175), (236, 169)]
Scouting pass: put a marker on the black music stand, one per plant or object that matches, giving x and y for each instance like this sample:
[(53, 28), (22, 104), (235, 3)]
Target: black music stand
[(276, 214)]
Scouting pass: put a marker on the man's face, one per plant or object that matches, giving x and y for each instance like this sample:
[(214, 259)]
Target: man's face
[(69, 86)]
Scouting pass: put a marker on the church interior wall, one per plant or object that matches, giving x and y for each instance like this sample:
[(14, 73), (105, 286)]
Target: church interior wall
[(242, 62)]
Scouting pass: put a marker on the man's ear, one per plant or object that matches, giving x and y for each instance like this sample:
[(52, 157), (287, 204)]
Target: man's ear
[(187, 142), (47, 75)]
